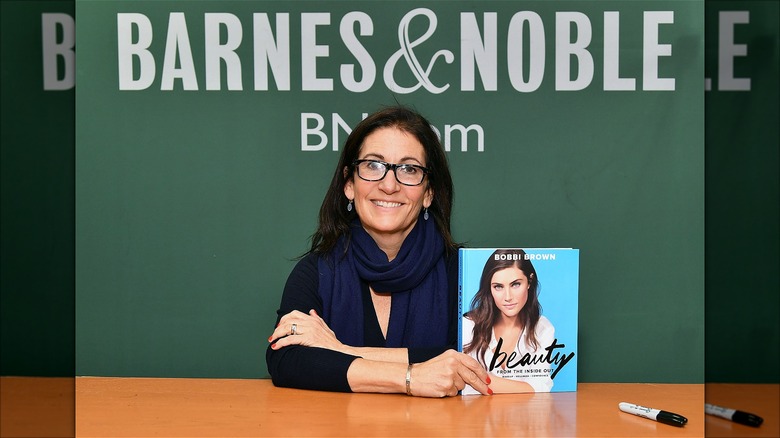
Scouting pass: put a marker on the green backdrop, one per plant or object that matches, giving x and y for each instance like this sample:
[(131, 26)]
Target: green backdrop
[(741, 161), (37, 276), (191, 204)]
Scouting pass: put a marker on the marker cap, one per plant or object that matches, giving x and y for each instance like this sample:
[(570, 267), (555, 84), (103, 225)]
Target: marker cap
[(747, 419), (671, 418)]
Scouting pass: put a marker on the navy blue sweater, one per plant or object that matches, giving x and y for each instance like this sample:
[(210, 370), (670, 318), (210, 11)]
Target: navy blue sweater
[(321, 369)]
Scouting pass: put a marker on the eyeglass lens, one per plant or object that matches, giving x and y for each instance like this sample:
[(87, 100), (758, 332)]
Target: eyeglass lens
[(406, 174)]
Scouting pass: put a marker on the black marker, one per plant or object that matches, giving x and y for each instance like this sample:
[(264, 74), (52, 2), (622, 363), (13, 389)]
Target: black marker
[(654, 414), (734, 415)]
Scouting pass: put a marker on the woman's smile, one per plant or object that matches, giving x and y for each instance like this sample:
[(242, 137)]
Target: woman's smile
[(387, 204)]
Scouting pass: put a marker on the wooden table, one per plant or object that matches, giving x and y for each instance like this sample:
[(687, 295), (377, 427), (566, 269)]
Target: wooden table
[(37, 406), (207, 407), (109, 407), (761, 400)]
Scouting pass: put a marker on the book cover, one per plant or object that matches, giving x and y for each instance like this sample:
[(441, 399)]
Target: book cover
[(518, 312)]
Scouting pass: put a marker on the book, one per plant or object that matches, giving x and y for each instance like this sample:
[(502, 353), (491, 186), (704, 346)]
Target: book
[(518, 316)]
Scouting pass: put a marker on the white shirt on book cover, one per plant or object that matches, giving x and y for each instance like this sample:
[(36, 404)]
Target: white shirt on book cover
[(537, 375)]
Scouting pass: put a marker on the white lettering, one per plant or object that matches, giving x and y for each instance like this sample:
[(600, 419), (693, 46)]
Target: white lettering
[(366, 28), (612, 79), (515, 54), (310, 51), (54, 50), (565, 48), (127, 51), (483, 51), (540, 256), (727, 50), (337, 123), (215, 51), (448, 129), (178, 42), (526, 49), (273, 52), (652, 50), (317, 131)]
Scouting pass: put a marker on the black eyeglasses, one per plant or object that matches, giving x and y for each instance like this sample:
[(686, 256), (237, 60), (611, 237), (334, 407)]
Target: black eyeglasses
[(375, 170)]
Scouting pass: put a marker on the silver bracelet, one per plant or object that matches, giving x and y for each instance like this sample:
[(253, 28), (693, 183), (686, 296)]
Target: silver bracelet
[(409, 379)]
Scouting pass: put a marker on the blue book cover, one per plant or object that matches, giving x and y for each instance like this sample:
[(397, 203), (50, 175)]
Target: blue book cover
[(518, 312)]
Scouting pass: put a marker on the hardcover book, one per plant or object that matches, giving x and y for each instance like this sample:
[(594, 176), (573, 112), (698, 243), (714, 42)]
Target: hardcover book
[(518, 312)]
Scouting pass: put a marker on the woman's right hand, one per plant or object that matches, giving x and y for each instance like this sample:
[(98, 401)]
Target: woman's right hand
[(448, 373), (310, 330)]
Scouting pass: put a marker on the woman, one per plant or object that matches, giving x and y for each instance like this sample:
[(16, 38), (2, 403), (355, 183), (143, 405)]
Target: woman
[(506, 317), (372, 307)]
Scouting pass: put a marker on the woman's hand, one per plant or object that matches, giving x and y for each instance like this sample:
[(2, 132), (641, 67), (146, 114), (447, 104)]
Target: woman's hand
[(448, 373), (310, 330)]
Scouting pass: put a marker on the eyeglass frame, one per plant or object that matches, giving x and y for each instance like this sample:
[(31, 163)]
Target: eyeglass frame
[(388, 168)]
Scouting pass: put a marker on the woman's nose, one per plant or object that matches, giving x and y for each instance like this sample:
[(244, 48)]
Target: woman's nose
[(389, 184)]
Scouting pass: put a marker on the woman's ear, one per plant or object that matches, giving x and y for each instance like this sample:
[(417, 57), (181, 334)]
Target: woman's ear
[(428, 199), (349, 187)]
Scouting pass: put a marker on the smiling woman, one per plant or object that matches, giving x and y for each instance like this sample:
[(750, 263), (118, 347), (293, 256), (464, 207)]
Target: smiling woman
[(388, 208), (372, 307)]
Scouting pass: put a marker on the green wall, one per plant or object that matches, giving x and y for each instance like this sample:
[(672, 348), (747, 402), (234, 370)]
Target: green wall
[(190, 205), (741, 161), (37, 283)]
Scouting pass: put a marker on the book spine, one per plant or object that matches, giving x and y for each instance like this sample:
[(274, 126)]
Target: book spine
[(460, 299)]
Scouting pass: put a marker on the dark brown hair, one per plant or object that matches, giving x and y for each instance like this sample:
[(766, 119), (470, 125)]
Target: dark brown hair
[(484, 312)]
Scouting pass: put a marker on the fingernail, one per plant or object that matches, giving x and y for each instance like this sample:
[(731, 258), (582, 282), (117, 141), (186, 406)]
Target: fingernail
[(271, 338), (488, 380), (273, 346), (490, 391)]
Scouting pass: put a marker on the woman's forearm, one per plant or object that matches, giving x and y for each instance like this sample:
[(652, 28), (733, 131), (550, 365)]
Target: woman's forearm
[(380, 354), (377, 376), (442, 376)]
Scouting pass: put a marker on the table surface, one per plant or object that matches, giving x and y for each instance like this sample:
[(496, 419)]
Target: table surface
[(110, 407), (758, 399), (205, 407)]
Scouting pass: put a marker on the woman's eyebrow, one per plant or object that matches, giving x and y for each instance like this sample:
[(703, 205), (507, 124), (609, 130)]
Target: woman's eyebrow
[(410, 159), (510, 281), (378, 156)]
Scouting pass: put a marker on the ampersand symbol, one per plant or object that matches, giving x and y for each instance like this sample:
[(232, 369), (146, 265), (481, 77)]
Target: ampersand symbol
[(406, 51)]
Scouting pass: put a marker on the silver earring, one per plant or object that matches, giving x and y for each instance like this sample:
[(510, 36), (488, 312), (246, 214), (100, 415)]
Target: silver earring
[(425, 215), (349, 206)]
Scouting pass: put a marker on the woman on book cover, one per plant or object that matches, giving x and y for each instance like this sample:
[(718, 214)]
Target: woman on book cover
[(372, 306), (505, 324)]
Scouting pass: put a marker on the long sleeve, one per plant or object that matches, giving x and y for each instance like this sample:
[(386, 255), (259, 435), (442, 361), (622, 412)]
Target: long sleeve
[(322, 369), (301, 366)]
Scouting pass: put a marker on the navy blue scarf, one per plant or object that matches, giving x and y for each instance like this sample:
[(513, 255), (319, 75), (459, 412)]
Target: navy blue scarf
[(417, 279)]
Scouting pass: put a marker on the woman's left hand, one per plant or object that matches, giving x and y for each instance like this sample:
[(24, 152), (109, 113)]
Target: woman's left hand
[(298, 328)]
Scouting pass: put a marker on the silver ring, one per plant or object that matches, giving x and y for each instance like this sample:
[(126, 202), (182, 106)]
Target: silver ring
[(294, 329)]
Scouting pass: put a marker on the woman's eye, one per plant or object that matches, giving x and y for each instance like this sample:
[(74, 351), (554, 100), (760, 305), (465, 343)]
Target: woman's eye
[(373, 165), (409, 170)]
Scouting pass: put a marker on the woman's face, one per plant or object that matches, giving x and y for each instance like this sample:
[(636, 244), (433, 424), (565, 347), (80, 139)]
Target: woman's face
[(510, 290), (388, 209)]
